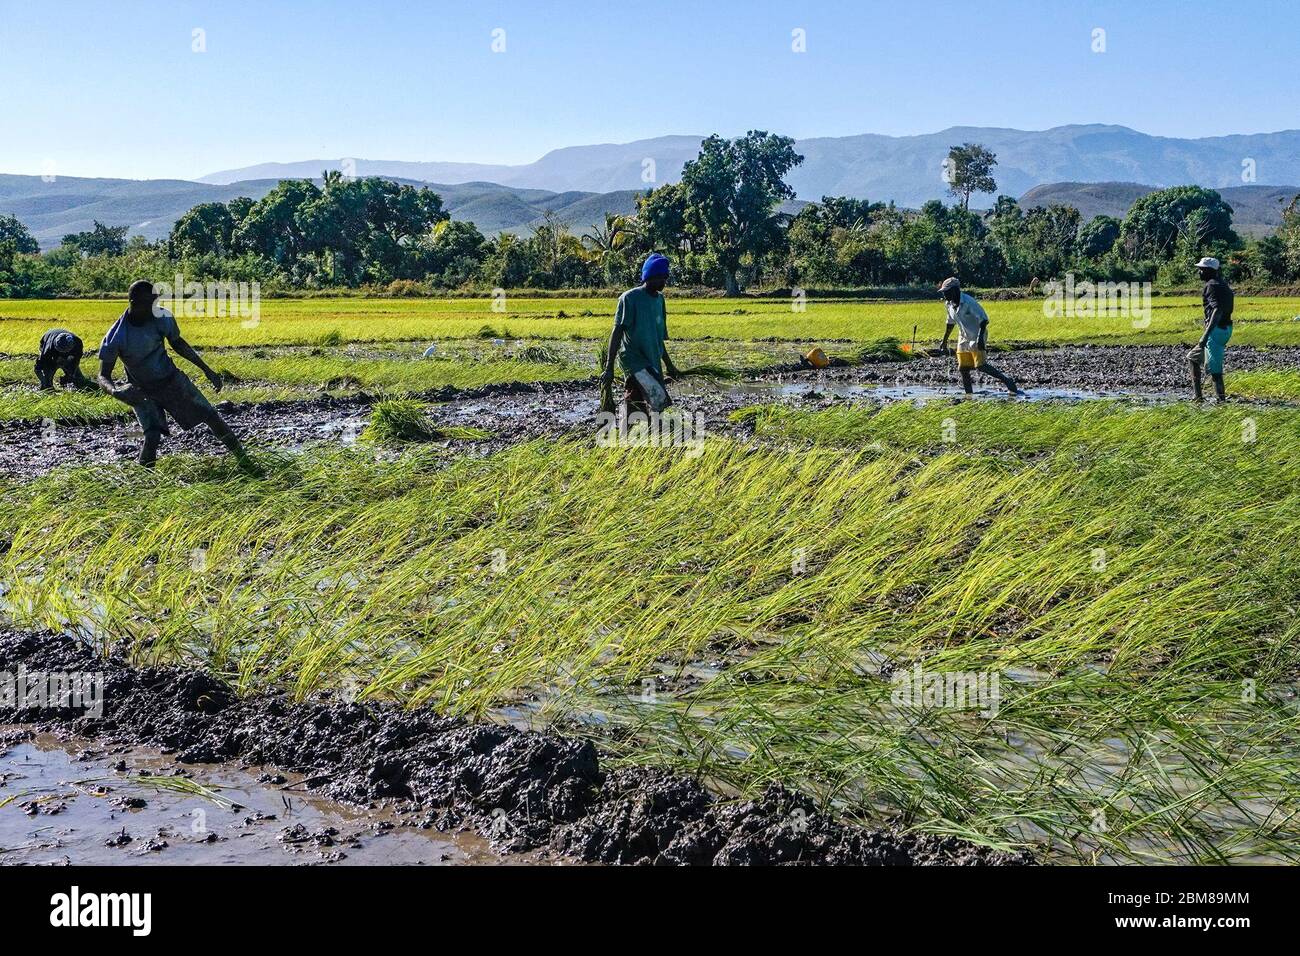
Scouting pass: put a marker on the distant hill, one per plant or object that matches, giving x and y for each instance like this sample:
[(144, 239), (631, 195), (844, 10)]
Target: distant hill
[(1257, 210), (150, 207), (603, 168), (904, 169)]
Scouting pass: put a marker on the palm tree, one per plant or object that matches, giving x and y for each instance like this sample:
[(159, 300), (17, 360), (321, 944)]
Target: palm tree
[(612, 235)]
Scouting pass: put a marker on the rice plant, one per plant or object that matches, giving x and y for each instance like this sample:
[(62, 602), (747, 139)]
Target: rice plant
[(1135, 597)]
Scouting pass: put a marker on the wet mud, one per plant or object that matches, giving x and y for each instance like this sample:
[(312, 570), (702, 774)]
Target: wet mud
[(523, 790), (68, 800), (517, 412)]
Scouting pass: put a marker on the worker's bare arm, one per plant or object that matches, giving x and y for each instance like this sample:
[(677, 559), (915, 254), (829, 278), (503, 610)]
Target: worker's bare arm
[(615, 341), (947, 334), (187, 352), (1211, 324), (669, 367), (105, 376)]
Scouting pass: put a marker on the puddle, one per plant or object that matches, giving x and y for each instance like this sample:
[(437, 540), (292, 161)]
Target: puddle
[(760, 391), (66, 802)]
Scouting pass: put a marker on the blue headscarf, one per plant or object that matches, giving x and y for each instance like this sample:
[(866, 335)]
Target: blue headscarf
[(656, 265)]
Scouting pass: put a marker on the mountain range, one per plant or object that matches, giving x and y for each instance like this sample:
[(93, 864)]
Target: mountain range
[(905, 169), (51, 210), (1096, 168)]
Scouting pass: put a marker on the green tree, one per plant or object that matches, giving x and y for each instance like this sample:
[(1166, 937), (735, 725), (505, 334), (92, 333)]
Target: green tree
[(454, 252), (1098, 236), (11, 230), (733, 189), (99, 240), (1288, 234), (506, 265), (969, 170), (205, 230), (1051, 235), (1195, 217), (271, 228)]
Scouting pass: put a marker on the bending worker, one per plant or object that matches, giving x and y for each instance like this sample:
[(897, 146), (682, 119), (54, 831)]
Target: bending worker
[(61, 351)]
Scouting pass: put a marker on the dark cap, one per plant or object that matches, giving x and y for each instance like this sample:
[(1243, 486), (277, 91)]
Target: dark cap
[(141, 291)]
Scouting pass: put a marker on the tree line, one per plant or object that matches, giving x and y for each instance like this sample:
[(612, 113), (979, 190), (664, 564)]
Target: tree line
[(728, 223)]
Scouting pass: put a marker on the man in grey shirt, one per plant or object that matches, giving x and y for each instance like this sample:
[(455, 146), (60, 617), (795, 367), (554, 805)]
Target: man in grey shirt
[(156, 387)]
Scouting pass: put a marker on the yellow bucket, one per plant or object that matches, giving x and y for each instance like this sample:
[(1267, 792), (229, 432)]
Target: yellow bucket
[(817, 359)]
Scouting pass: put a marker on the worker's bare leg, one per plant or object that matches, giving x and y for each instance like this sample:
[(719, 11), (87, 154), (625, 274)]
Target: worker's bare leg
[(966, 381), (1196, 381), (1219, 392), (1001, 376), (226, 435), (149, 450)]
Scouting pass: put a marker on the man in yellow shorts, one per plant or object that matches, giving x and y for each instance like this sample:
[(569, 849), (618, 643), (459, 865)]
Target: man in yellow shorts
[(972, 324)]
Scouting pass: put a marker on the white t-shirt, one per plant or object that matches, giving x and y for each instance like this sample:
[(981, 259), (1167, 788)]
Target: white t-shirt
[(968, 315)]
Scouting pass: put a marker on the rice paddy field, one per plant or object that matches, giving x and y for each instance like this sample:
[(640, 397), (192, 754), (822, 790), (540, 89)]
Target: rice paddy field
[(1113, 581), (1259, 321)]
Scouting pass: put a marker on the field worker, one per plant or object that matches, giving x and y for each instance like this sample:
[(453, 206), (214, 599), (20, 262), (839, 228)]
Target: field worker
[(640, 331), (1216, 297), (972, 324), (156, 387), (60, 352)]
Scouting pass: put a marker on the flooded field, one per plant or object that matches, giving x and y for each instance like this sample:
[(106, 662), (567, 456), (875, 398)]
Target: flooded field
[(66, 800)]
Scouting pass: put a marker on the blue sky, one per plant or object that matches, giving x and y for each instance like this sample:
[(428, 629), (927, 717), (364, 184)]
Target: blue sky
[(115, 89)]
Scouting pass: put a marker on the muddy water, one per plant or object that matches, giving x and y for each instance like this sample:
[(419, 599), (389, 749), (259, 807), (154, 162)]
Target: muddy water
[(520, 413), (66, 802), (804, 388)]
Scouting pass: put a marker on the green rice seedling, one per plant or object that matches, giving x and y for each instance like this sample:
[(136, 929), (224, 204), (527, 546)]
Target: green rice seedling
[(399, 421), (882, 350), (538, 353), (1259, 321), (396, 421), (1125, 571), (1282, 384)]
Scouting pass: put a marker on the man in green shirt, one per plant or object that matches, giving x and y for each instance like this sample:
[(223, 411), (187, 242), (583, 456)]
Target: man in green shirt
[(640, 331)]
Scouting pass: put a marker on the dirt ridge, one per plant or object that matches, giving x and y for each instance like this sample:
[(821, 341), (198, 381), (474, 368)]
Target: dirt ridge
[(523, 789)]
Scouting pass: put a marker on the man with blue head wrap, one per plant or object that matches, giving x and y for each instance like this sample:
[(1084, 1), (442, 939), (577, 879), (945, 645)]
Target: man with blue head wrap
[(60, 351), (638, 339)]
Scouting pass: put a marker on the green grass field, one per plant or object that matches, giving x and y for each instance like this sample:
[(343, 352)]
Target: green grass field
[(1259, 321)]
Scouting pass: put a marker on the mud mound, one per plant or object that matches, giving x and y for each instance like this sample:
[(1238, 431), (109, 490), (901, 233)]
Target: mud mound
[(523, 789)]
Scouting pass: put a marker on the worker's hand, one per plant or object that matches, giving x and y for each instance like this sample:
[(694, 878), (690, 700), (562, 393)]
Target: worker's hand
[(672, 374), (128, 394), (607, 376), (944, 349), (214, 380)]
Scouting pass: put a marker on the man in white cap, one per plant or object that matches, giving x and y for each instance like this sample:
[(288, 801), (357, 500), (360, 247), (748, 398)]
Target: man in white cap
[(1217, 299), (972, 324)]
